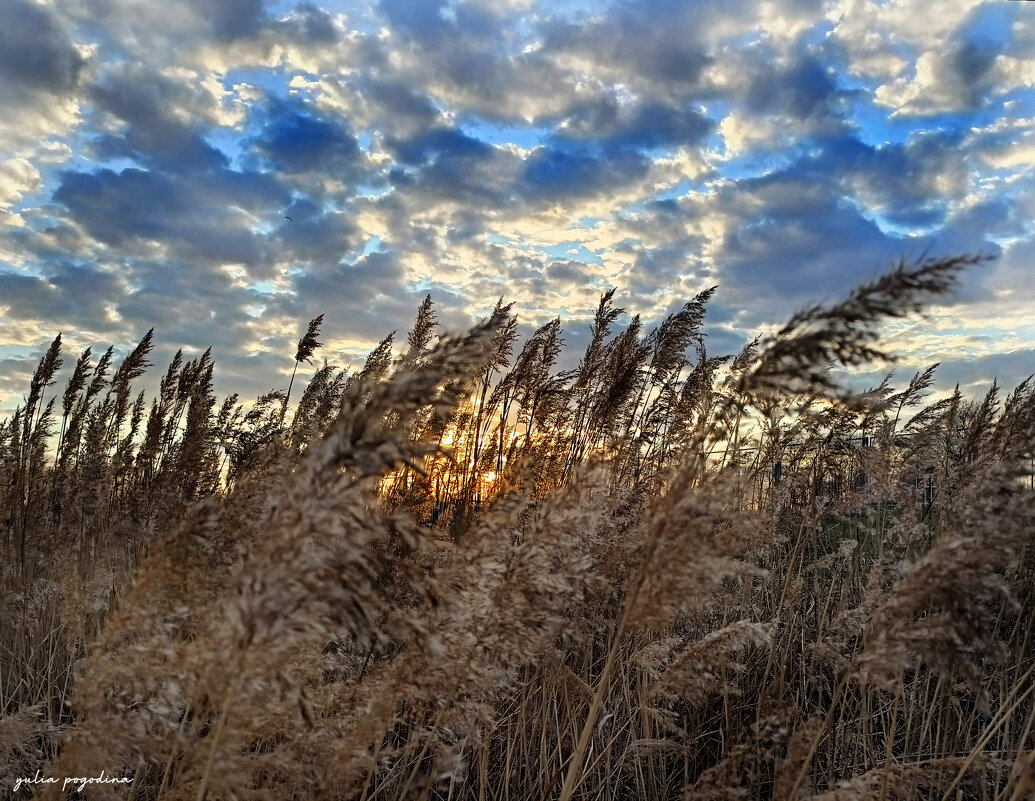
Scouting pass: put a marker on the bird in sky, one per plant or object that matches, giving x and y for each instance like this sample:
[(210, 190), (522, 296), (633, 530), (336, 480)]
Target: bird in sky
[(287, 218)]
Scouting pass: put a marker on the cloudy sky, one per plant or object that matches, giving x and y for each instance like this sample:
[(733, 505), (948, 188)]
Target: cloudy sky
[(151, 152)]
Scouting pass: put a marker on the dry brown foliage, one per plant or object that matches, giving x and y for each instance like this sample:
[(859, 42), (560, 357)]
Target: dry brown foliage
[(466, 574)]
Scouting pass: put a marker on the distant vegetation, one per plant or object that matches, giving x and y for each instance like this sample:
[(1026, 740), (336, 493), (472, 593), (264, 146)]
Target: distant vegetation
[(461, 573)]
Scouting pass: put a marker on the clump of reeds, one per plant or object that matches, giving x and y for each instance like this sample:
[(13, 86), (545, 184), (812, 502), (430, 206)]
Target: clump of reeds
[(463, 573)]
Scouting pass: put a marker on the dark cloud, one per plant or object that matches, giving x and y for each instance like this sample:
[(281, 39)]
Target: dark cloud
[(909, 184), (557, 172), (230, 19), (447, 164), (657, 41), (463, 27), (309, 23), (295, 140), (976, 373), (571, 273), (973, 51), (362, 280), (15, 375), (438, 143), (813, 230), (378, 299), (972, 61), (421, 21), (393, 98), (35, 49), (790, 260), (462, 43), (71, 297), (791, 239), (188, 304), (154, 108), (132, 27), (644, 124), (314, 234), (116, 207), (657, 271), (804, 90), (208, 218)]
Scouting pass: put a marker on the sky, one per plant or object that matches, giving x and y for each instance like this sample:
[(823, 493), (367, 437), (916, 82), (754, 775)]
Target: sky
[(152, 152)]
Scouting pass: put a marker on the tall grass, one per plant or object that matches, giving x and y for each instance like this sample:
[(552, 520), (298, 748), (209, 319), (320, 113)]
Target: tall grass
[(462, 573)]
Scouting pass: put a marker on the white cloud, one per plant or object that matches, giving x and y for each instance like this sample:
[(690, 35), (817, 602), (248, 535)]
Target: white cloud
[(743, 133), (492, 151), (17, 178), (875, 33)]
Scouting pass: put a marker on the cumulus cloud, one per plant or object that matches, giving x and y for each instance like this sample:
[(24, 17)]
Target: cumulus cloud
[(17, 177), (36, 52), (41, 69), (225, 169)]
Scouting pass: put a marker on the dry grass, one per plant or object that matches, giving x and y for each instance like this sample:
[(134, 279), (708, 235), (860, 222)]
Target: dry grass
[(465, 574)]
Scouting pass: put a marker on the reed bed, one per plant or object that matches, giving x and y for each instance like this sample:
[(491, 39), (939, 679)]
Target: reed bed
[(460, 572)]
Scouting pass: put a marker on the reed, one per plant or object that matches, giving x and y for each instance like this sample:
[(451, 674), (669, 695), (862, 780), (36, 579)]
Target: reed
[(460, 572)]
